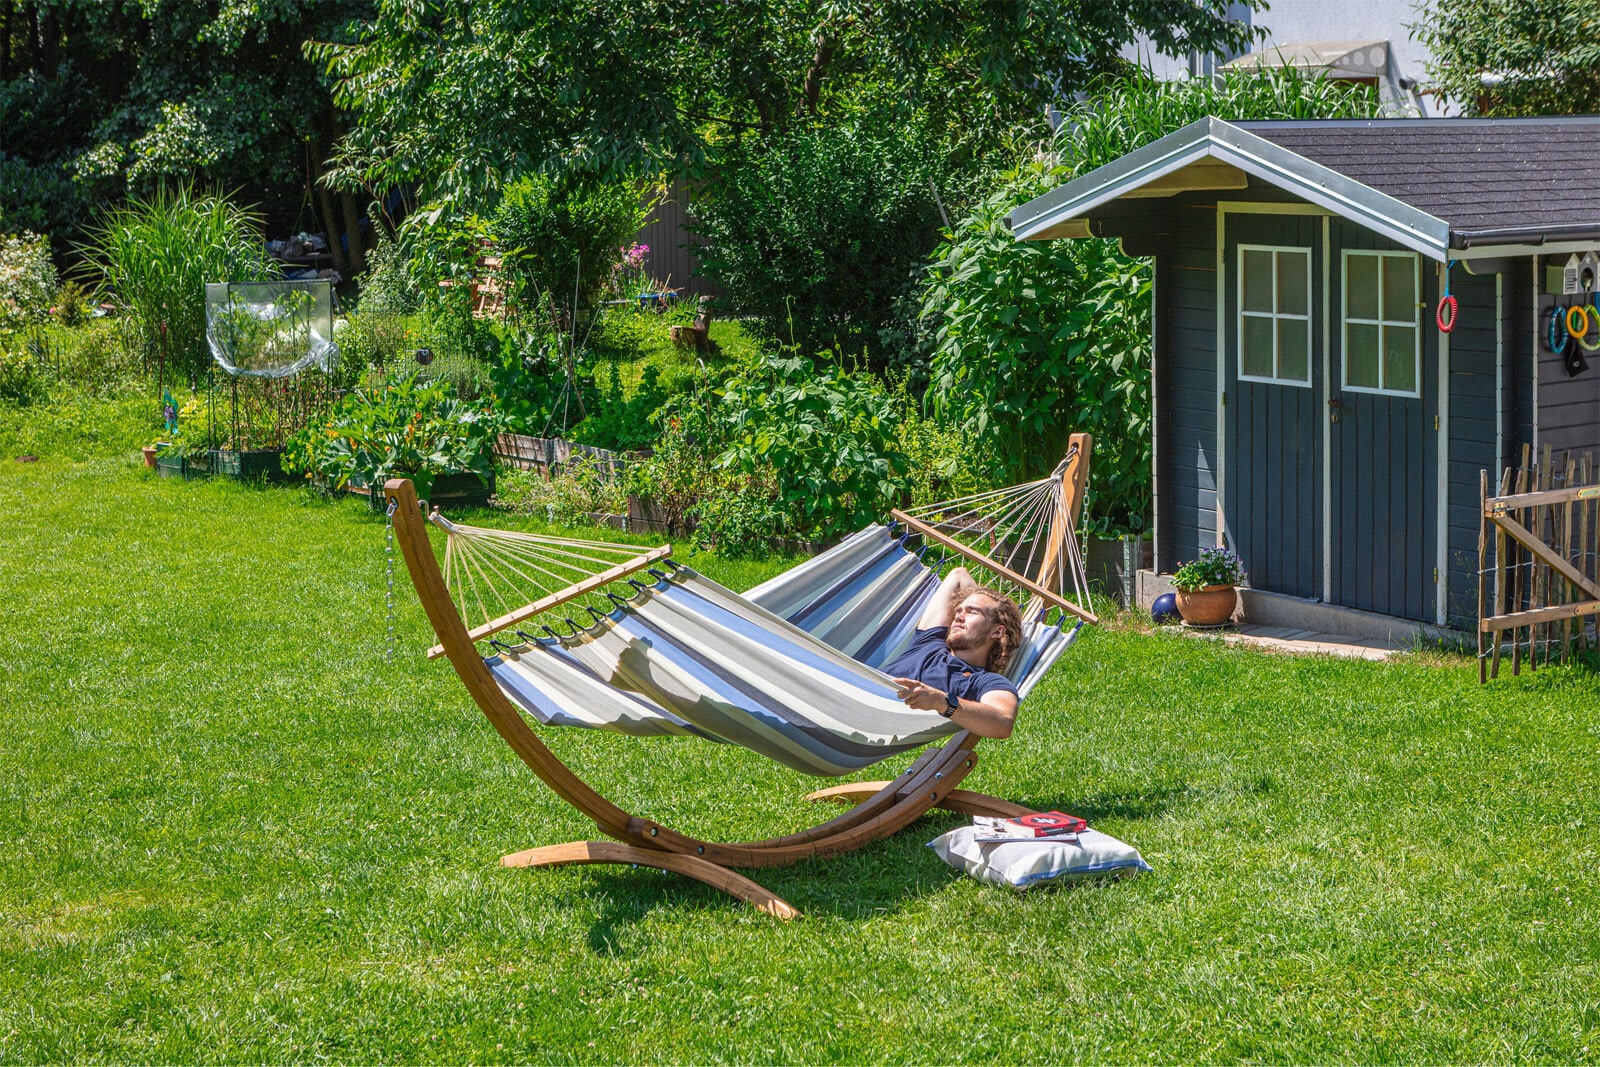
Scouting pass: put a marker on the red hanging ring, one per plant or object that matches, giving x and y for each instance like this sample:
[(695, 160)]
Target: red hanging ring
[(1447, 322)]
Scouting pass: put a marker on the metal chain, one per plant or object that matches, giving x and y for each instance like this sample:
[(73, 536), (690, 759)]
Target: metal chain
[(388, 534)]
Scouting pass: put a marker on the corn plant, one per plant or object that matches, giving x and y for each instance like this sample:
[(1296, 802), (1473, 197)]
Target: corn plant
[(156, 257)]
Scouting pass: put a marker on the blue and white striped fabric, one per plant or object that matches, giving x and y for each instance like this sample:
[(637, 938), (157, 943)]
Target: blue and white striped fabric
[(788, 671)]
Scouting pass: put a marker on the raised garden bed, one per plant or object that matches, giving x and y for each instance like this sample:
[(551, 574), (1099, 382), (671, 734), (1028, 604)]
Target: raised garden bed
[(265, 464), (257, 464), (449, 491)]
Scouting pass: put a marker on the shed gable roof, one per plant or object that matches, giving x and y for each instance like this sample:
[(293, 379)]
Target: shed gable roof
[(1482, 176), (1432, 185)]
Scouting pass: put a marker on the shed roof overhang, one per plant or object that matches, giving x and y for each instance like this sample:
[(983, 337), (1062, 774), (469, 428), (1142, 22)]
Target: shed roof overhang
[(1213, 154)]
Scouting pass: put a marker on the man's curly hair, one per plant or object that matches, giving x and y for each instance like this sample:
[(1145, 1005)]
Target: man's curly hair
[(1009, 617)]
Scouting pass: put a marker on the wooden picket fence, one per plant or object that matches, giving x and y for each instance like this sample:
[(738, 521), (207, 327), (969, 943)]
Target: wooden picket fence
[(1539, 562)]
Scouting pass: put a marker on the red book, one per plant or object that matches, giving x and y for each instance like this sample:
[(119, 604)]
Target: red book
[(1026, 827)]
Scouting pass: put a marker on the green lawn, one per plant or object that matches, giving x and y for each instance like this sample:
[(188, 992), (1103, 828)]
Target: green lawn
[(232, 832)]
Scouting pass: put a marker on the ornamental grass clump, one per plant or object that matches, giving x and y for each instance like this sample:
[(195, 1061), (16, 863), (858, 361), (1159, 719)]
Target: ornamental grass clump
[(1214, 566), (156, 257)]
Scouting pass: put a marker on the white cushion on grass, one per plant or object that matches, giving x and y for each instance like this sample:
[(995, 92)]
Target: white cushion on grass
[(1021, 864)]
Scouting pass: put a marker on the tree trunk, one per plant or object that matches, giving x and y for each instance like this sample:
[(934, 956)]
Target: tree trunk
[(352, 230), (330, 224), (812, 87), (352, 217), (49, 39)]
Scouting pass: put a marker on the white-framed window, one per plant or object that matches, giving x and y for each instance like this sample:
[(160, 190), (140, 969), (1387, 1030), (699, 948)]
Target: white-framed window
[(1275, 314), (1382, 325)]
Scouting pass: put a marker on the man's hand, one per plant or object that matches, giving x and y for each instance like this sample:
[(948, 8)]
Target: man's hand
[(919, 695)]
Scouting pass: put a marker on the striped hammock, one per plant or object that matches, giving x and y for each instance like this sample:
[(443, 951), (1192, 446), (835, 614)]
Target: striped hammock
[(788, 670)]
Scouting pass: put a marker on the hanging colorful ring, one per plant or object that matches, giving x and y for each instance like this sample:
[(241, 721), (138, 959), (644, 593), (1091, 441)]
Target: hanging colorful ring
[(1447, 322), (1581, 326), (1594, 317), (1556, 333)]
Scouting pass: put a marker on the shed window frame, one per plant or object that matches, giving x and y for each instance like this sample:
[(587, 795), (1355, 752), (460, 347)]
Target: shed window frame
[(1275, 316), (1383, 324)]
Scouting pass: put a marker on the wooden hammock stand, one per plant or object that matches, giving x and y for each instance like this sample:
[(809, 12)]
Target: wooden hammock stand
[(880, 808)]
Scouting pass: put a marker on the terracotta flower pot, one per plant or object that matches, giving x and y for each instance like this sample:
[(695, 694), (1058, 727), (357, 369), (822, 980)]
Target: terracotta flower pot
[(1211, 606), (150, 456)]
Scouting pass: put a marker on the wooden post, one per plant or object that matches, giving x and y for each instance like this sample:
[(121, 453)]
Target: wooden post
[(1501, 578), (1521, 486), (1074, 472), (1585, 557), (1566, 552), (1483, 544)]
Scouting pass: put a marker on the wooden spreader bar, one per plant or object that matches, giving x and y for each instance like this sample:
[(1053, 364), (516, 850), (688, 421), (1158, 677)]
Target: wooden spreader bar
[(561, 596), (979, 558)]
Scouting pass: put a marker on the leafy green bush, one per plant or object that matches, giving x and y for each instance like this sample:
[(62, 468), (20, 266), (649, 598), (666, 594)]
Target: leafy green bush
[(406, 427), (558, 234), (567, 497), (157, 255), (1037, 339), (27, 280), (623, 424), (20, 380), (825, 435), (821, 229)]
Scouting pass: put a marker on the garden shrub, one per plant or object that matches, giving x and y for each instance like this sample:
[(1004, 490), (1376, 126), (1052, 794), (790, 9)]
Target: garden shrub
[(28, 280), (567, 497), (816, 231), (157, 255), (827, 437), (406, 427), (556, 233), (623, 424)]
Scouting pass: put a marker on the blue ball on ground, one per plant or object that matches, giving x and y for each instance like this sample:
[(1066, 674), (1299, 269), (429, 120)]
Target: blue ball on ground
[(1165, 609)]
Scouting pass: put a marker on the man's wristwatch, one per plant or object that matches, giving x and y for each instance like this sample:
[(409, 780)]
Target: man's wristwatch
[(951, 704)]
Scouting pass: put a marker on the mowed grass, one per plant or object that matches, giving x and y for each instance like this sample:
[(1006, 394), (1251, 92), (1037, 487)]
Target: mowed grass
[(230, 831)]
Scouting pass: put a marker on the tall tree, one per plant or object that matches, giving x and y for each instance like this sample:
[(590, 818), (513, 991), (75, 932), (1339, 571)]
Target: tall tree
[(459, 95), (125, 95), (1516, 57)]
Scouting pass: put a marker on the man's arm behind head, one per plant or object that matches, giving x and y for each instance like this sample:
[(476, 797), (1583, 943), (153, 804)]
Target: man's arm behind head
[(955, 588)]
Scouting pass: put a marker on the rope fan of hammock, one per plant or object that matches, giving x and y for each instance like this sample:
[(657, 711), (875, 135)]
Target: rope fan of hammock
[(506, 580)]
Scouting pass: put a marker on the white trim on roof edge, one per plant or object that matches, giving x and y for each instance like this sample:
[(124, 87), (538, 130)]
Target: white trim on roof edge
[(1212, 138)]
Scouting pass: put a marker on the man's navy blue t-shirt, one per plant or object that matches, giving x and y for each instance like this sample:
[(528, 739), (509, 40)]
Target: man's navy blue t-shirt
[(930, 661)]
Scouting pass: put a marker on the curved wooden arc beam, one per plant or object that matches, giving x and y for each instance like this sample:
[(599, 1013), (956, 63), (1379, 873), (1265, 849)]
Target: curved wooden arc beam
[(960, 801), (735, 885)]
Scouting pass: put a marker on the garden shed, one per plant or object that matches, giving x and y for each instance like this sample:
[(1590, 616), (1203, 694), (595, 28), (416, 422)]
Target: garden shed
[(1309, 411)]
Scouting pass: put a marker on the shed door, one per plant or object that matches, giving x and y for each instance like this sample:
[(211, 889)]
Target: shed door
[(1383, 448), (1273, 406)]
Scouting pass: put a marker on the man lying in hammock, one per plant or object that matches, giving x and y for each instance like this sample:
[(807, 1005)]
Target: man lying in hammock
[(964, 640)]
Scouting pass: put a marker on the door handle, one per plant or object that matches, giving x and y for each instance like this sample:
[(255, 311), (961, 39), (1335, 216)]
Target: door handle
[(1334, 404)]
